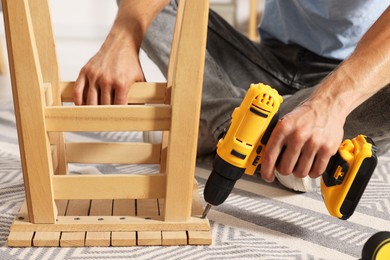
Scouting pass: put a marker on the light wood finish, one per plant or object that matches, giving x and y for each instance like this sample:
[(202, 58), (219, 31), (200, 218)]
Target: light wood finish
[(80, 226), (185, 99), (98, 239), (3, 67), (149, 238), (45, 45), (27, 84), (109, 186), (174, 238), (112, 209), (121, 153), (72, 239), (20, 239), (46, 239), (199, 237), (123, 238), (124, 207), (253, 20), (78, 218), (108, 118)]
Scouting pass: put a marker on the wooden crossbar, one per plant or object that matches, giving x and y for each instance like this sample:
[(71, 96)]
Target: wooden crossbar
[(139, 93), (108, 118), (109, 186), (120, 153)]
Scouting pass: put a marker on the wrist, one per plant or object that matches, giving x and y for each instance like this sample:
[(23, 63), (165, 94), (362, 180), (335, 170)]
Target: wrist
[(123, 37), (341, 91)]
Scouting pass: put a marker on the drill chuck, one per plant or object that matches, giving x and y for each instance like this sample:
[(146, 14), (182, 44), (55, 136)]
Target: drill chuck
[(221, 181)]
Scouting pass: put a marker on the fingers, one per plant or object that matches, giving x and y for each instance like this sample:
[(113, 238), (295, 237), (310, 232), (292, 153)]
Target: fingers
[(320, 163), (272, 152), (78, 89), (93, 93), (297, 150), (106, 91), (93, 90)]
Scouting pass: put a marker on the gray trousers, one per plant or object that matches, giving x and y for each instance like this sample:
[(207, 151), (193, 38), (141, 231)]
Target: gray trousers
[(233, 62)]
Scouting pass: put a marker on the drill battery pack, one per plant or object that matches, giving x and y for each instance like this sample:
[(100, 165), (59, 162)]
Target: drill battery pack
[(347, 175)]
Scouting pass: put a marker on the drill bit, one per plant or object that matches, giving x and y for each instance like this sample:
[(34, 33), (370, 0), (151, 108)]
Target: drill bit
[(206, 210)]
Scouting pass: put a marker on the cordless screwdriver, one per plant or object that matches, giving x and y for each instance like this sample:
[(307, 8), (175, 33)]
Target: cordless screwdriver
[(240, 150)]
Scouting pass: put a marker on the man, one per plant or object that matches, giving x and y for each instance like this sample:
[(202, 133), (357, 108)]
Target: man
[(332, 56)]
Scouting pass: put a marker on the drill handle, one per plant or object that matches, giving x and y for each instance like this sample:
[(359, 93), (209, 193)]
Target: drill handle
[(270, 128)]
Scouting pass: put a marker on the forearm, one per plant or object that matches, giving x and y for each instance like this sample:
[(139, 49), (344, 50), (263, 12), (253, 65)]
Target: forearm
[(133, 19), (364, 73)]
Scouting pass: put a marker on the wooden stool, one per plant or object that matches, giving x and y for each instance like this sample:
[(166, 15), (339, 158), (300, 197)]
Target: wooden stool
[(110, 209)]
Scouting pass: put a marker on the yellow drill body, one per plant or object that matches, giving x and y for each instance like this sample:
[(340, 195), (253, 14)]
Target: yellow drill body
[(242, 145)]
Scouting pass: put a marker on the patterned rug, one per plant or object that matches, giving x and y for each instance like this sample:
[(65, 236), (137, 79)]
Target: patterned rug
[(258, 221)]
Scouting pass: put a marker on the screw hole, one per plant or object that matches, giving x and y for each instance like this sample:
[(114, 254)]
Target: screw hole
[(20, 218), (76, 218), (148, 218), (122, 218), (100, 219)]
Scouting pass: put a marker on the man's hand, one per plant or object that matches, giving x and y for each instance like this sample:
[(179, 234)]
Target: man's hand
[(108, 75), (106, 78), (303, 142)]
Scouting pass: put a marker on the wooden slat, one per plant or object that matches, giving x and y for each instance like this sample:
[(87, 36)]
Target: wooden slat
[(109, 186), (98, 239), (20, 239), (62, 205), (174, 238), (147, 208), (124, 207), (100, 208), (120, 153), (149, 238), (72, 239), (78, 208), (199, 237), (124, 238), (139, 93), (46, 239), (108, 118)]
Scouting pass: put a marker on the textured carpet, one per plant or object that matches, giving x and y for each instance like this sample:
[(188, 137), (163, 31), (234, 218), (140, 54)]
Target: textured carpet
[(258, 221)]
